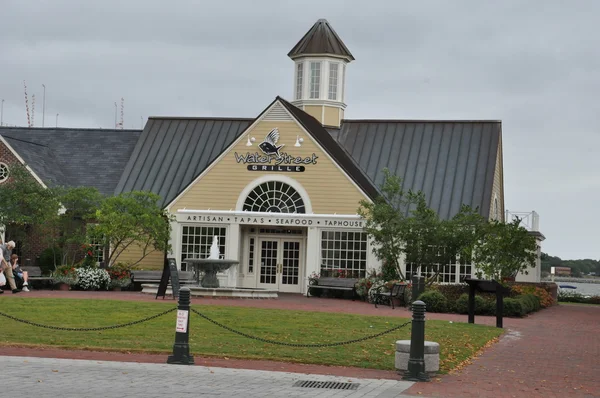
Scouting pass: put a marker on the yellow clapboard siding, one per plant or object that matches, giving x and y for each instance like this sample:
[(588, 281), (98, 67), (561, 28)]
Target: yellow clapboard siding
[(132, 254), (498, 186), (329, 190)]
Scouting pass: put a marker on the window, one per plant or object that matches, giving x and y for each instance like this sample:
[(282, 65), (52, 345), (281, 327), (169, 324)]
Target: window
[(344, 251), (3, 172), (274, 197), (342, 89), (98, 247), (449, 270), (315, 79), (333, 81), (299, 81), (496, 209), (251, 256), (196, 242)]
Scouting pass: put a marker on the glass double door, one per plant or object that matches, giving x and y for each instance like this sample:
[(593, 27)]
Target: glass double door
[(280, 262)]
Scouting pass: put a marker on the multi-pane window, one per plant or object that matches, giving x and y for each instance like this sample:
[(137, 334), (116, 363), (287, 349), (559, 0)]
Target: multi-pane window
[(98, 247), (315, 79), (447, 270), (251, 250), (343, 252), (342, 89), (299, 80), (197, 240), (333, 81), (274, 197), (3, 172)]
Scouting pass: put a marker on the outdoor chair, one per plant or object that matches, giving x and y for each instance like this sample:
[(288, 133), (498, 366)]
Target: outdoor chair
[(396, 292)]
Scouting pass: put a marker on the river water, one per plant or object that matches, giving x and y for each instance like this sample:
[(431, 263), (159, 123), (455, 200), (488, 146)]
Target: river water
[(591, 289)]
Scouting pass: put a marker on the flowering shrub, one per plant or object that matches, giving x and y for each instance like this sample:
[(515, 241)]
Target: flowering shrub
[(93, 278), (313, 278), (65, 274), (90, 256), (541, 293), (120, 275)]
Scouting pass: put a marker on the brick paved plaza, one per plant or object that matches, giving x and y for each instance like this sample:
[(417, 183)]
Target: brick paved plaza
[(552, 353)]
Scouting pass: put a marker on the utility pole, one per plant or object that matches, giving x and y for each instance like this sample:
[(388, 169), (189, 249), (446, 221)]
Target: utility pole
[(115, 115), (2, 113), (57, 120), (44, 105)]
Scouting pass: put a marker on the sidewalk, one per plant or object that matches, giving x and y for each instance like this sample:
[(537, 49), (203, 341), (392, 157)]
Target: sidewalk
[(553, 353)]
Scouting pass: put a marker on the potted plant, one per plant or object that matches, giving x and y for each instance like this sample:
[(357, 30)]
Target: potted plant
[(92, 278), (65, 276)]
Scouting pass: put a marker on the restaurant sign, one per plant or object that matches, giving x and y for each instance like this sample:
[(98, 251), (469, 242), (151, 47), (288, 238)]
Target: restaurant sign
[(272, 159), (278, 220)]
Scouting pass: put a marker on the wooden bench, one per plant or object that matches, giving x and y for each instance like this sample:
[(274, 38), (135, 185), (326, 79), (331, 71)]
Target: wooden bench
[(345, 284), (34, 274), (139, 277), (397, 292)]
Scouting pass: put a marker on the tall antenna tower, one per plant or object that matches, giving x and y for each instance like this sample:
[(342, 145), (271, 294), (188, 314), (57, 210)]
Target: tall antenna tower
[(122, 112), (27, 105), (32, 110)]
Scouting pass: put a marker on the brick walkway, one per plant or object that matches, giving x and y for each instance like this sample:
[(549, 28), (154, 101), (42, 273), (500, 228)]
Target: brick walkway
[(555, 352)]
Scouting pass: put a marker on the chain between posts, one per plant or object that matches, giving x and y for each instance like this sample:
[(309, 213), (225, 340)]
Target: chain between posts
[(87, 329), (340, 343)]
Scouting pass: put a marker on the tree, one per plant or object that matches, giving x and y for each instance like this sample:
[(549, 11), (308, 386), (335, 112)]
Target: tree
[(79, 205), (26, 204), (129, 220), (385, 220), (506, 249), (423, 236)]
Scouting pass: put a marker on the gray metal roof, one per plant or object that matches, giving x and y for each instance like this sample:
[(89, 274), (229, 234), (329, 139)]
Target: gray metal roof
[(74, 157), (451, 162), (321, 39), (172, 152)]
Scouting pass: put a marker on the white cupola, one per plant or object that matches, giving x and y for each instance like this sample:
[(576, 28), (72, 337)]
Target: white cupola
[(320, 59)]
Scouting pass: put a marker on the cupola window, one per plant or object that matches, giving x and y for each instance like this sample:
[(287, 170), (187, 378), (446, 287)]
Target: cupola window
[(299, 81), (333, 81), (315, 79)]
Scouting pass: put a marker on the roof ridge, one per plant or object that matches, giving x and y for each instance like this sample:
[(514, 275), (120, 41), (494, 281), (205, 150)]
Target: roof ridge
[(421, 121), (25, 141), (200, 118), (64, 128)]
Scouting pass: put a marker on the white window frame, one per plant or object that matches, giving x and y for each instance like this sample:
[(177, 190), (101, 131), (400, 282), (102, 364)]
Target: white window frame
[(299, 80), (334, 74), (316, 67), (185, 253), (362, 259), (4, 174)]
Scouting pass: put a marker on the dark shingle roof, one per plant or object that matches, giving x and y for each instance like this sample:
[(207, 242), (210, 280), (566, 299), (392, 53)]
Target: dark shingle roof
[(452, 162), (172, 152), (321, 39), (74, 157)]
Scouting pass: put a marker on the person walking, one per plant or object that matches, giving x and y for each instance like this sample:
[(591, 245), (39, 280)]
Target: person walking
[(5, 252)]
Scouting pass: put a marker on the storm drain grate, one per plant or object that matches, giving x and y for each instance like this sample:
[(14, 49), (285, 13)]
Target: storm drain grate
[(333, 385)]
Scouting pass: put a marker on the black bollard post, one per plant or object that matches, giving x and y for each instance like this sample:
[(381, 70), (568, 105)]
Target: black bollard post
[(416, 362), (181, 349), (418, 286)]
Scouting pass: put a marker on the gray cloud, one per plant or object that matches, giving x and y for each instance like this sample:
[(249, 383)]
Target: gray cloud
[(533, 65)]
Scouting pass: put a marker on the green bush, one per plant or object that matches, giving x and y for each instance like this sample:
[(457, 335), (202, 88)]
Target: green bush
[(48, 258), (434, 301), (481, 305), (513, 307)]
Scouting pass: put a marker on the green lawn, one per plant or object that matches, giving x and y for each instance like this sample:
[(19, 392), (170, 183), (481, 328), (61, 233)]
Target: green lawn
[(458, 341)]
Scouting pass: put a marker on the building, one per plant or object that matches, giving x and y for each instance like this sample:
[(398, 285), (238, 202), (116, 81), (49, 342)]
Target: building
[(281, 190)]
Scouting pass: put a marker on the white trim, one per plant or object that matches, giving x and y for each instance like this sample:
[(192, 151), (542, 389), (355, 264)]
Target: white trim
[(243, 136), (315, 102), (274, 177), (20, 159)]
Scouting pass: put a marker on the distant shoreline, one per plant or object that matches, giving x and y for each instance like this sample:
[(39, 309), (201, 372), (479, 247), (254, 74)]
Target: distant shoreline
[(578, 280)]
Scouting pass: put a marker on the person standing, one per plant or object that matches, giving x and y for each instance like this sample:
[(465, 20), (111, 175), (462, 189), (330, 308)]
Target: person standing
[(5, 252)]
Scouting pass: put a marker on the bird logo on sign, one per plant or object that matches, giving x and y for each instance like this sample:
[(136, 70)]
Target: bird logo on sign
[(269, 145)]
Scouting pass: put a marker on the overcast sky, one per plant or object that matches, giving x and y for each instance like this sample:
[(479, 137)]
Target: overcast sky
[(535, 65)]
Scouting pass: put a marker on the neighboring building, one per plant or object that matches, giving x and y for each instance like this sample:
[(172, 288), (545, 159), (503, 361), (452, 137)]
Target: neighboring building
[(281, 190)]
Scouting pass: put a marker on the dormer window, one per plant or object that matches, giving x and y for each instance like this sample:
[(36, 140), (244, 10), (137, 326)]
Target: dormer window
[(333, 80), (299, 80), (315, 79)]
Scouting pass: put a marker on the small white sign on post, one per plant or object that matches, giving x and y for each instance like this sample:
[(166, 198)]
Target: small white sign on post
[(182, 321)]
